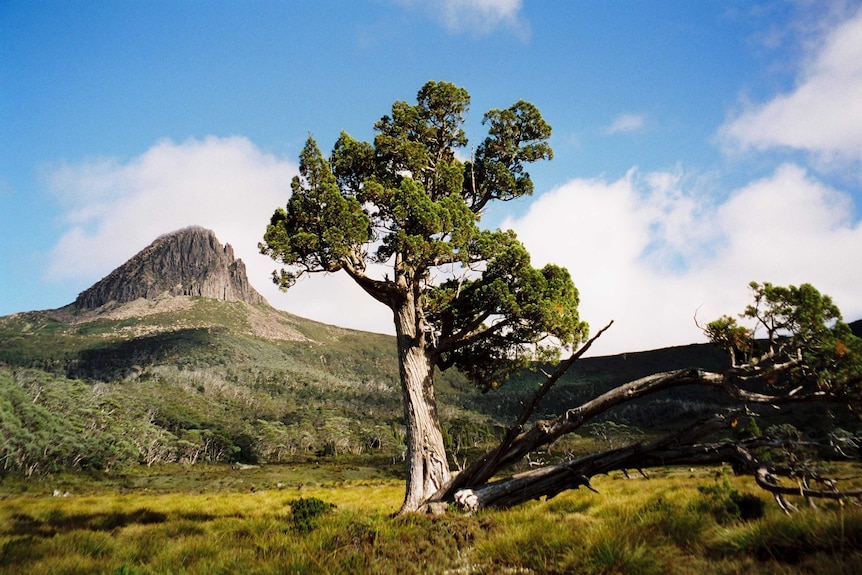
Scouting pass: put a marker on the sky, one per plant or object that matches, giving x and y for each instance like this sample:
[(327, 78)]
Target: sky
[(698, 146)]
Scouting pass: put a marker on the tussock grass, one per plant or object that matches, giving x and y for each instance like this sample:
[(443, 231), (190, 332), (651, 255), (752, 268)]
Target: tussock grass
[(662, 525)]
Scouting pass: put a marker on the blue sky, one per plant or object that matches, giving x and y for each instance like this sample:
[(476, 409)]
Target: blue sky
[(698, 145)]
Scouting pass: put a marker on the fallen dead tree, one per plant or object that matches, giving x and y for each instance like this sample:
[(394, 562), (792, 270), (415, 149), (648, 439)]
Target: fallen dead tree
[(808, 355)]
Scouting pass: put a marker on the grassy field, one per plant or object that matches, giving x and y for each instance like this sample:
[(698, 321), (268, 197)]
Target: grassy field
[(338, 518)]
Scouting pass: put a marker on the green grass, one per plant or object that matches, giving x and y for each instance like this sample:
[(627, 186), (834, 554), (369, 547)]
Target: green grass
[(196, 524)]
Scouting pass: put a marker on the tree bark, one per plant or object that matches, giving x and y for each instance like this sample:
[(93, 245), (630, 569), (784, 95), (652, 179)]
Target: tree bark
[(473, 488), (427, 466), (673, 449)]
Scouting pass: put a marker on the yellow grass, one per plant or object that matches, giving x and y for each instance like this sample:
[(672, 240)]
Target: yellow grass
[(649, 526)]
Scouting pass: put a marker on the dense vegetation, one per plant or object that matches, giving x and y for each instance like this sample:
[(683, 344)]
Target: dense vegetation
[(196, 387), (142, 403)]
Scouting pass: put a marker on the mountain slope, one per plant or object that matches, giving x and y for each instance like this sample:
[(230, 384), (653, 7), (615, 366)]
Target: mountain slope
[(199, 384)]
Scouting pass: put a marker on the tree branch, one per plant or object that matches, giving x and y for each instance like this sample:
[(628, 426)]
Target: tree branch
[(545, 432), (386, 292), (453, 342), (552, 480), (490, 461)]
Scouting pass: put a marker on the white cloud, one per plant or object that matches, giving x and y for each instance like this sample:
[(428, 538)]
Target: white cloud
[(822, 114), (625, 123), (650, 253), (114, 209), (476, 16)]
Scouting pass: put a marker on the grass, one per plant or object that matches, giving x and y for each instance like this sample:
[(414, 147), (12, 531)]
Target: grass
[(334, 520)]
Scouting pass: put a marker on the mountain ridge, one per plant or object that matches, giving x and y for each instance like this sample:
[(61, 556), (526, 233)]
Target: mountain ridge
[(187, 262)]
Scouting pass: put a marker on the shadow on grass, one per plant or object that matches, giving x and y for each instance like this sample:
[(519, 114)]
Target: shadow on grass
[(60, 522)]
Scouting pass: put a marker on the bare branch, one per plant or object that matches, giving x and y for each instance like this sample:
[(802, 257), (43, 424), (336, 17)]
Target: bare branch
[(545, 432), (491, 460), (552, 379), (386, 292)]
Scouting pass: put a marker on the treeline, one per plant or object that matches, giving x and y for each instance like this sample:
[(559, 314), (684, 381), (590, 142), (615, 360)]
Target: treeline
[(50, 423)]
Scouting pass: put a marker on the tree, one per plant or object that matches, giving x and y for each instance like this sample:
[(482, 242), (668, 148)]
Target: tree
[(460, 296), (469, 298)]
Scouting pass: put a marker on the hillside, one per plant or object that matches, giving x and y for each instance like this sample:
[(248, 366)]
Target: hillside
[(200, 380)]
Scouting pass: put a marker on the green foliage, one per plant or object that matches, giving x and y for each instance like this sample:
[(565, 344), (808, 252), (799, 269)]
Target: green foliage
[(320, 226), (806, 343), (407, 201), (538, 310), (747, 429), (48, 424), (802, 322), (305, 512), (729, 505), (731, 336)]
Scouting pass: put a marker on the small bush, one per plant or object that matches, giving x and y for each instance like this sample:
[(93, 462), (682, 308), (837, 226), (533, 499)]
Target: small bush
[(306, 510), (729, 505)]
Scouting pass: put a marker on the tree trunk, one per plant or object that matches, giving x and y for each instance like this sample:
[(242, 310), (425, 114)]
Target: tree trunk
[(427, 467), (673, 449)]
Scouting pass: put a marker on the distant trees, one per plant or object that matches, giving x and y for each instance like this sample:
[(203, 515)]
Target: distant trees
[(48, 424)]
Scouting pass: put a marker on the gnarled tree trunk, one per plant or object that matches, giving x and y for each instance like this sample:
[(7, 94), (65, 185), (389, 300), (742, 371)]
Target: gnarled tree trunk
[(427, 467)]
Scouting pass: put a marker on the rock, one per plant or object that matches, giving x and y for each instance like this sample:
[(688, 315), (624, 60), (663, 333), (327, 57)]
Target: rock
[(188, 262), (467, 500)]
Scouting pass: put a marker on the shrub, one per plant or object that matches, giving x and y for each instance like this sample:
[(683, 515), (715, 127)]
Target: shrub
[(306, 510), (729, 505)]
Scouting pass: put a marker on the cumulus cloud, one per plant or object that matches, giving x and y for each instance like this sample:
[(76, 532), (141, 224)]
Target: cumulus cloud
[(821, 115), (476, 16), (625, 123), (650, 252), (113, 209)]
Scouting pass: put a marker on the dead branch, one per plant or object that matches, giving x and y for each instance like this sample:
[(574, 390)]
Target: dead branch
[(488, 464), (516, 444)]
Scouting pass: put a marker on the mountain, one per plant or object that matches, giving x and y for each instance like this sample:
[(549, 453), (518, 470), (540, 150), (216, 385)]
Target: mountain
[(187, 262)]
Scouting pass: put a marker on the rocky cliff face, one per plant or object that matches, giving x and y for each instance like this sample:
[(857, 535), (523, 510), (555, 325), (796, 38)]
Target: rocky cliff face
[(188, 262)]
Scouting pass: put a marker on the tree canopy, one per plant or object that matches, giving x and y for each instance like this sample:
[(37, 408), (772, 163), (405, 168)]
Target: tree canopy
[(407, 200)]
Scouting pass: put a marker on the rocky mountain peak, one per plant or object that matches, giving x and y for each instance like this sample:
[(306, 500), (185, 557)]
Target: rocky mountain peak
[(187, 262)]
